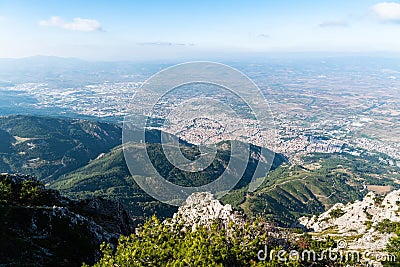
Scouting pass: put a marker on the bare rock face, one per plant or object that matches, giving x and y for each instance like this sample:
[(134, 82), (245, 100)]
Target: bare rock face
[(109, 214), (359, 219), (202, 209)]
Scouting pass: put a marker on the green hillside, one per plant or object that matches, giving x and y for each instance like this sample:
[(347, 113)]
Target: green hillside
[(84, 158), (109, 176), (289, 191), (49, 147)]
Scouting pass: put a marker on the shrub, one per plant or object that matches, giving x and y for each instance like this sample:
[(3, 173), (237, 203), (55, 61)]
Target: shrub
[(369, 215), (31, 191), (165, 244), (378, 200), (6, 191), (368, 224), (336, 213), (386, 226), (393, 247)]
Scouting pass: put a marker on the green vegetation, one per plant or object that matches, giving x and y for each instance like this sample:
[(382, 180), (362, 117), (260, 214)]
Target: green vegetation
[(387, 226), (165, 244), (336, 213), (64, 153), (365, 168), (6, 140), (378, 200), (369, 215), (109, 177), (289, 192), (29, 191), (34, 234), (393, 247), (368, 224), (49, 147)]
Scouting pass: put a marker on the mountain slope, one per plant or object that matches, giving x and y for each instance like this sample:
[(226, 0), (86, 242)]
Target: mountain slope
[(290, 191), (109, 176), (80, 158), (49, 147), (39, 227)]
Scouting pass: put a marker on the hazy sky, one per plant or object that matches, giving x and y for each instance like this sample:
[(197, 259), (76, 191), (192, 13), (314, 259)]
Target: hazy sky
[(167, 29)]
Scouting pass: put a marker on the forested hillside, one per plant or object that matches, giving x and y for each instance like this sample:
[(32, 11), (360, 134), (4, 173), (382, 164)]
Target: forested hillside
[(49, 147)]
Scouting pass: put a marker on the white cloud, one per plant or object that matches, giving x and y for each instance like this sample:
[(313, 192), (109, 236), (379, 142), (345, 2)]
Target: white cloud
[(77, 24), (85, 25), (263, 35), (387, 12), (53, 22), (333, 23)]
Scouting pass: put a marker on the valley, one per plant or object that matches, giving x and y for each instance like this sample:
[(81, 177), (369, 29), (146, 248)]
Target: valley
[(288, 192)]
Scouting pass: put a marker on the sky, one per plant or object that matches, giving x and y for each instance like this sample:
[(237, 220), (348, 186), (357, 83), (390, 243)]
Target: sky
[(128, 30)]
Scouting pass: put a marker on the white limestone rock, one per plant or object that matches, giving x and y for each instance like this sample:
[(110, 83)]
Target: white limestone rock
[(356, 216), (202, 209)]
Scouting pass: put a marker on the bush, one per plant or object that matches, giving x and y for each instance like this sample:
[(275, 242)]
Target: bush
[(31, 192), (165, 244), (26, 191), (386, 226), (6, 191), (336, 213), (378, 200), (162, 244), (393, 247)]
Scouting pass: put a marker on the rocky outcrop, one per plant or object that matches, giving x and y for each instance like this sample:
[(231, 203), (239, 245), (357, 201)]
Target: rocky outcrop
[(202, 209), (109, 214), (51, 230), (359, 220)]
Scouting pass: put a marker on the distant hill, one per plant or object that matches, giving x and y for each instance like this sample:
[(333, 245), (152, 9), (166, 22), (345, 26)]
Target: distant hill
[(49, 147)]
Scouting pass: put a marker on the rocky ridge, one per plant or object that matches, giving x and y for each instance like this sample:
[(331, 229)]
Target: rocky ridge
[(202, 209), (359, 220)]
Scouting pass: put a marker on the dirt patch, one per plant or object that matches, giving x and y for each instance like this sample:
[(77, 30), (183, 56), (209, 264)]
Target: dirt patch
[(379, 189)]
